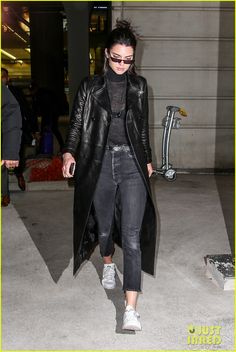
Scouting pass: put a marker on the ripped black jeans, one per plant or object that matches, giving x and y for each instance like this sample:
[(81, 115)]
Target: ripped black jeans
[(120, 173)]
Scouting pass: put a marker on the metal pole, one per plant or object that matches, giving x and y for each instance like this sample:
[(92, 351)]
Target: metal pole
[(164, 139), (168, 138)]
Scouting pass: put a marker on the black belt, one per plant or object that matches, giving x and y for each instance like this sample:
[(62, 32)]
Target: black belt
[(117, 148)]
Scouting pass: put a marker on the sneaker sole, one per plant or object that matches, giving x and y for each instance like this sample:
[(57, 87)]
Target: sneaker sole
[(131, 327), (109, 287)]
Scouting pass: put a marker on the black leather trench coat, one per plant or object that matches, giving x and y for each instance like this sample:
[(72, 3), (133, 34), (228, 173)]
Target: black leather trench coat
[(86, 141)]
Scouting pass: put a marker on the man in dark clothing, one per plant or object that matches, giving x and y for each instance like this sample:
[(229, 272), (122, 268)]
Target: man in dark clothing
[(29, 126), (11, 138)]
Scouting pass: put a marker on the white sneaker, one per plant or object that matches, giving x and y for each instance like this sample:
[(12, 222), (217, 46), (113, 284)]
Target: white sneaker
[(108, 276), (131, 320)]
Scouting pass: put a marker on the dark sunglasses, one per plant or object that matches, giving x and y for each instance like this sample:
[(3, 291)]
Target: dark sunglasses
[(127, 62)]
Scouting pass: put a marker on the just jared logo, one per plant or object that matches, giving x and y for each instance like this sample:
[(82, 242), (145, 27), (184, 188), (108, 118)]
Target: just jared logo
[(204, 335)]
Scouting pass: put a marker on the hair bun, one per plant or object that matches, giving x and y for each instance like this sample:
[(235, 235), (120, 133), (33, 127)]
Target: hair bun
[(123, 24)]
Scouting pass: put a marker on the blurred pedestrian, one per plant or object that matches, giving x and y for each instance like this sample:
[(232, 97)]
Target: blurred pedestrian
[(29, 126), (11, 139)]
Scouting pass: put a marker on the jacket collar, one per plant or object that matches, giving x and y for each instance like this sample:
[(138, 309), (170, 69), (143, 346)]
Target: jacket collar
[(100, 92)]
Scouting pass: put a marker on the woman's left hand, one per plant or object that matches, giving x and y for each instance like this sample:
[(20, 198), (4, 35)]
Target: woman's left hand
[(150, 169)]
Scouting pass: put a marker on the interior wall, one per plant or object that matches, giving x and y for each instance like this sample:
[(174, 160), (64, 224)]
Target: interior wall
[(187, 57)]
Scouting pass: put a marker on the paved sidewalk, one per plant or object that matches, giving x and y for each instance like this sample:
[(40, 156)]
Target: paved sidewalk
[(45, 308)]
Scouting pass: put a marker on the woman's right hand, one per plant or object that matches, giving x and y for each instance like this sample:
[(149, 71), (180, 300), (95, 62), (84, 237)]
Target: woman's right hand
[(67, 161)]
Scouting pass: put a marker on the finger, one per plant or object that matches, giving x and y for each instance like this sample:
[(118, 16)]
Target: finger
[(65, 171), (68, 172), (67, 175), (11, 163), (68, 165)]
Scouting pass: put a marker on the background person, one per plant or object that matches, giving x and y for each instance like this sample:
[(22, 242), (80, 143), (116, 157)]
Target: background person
[(11, 123), (29, 126)]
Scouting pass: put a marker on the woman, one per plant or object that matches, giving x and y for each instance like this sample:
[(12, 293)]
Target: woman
[(109, 142)]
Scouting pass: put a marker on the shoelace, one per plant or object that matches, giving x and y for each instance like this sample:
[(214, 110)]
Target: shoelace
[(132, 313), (108, 273)]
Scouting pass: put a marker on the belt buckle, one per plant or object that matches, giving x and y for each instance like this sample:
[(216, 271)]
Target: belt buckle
[(117, 148)]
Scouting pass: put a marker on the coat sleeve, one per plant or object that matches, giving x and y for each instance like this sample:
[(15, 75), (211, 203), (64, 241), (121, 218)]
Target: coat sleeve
[(145, 127), (11, 126), (76, 120)]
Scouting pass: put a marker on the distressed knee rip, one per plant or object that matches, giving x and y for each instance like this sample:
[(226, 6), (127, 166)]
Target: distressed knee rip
[(104, 234), (131, 240)]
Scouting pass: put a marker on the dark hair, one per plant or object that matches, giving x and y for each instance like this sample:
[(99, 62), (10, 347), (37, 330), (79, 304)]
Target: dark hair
[(122, 34), (4, 70)]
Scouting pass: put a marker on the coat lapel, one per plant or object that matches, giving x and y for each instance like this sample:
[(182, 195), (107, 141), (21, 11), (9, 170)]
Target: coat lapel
[(100, 94), (133, 92)]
